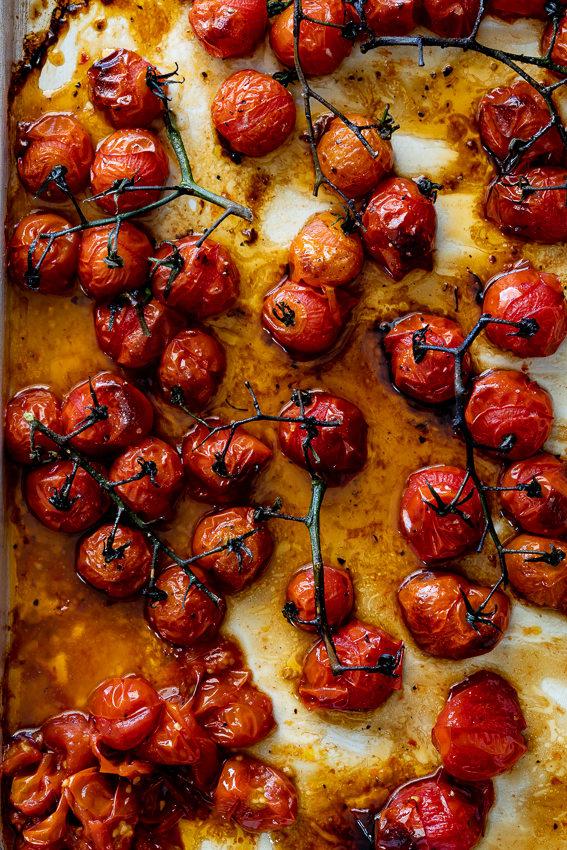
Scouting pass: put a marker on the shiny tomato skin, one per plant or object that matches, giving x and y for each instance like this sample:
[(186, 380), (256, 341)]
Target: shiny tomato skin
[(118, 86), (120, 577), (216, 530), (54, 139), (321, 48), (136, 154), (187, 616), (559, 52), (228, 28), (440, 538), (347, 163), (538, 582), (341, 450), (242, 782), (20, 752), (91, 504), (509, 10), (253, 112), (392, 17), (152, 501), (232, 711), (195, 362), (129, 415), (504, 403), (323, 255), (339, 596), (357, 644), (46, 407), (125, 711), (400, 226), (107, 808), (451, 18), (434, 611), (546, 515), (35, 788), (57, 271), (97, 279), (541, 217), (206, 285), (432, 380), (68, 736), (246, 457), (175, 740)]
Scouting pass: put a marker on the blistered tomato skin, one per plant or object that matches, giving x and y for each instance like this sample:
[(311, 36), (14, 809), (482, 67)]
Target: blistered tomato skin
[(121, 336), (509, 10), (54, 139), (559, 52), (339, 597), (187, 616), (193, 362), (177, 739), (46, 407), (152, 497), (357, 644), (119, 86), (106, 807), (57, 270), (539, 513), (125, 711), (322, 254), (90, 503), (232, 711), (253, 112), (435, 613), (435, 533), (119, 577), (68, 736), (541, 217), (97, 278), (506, 409), (542, 582), (392, 17), (35, 789), (228, 28), (321, 48), (400, 226), (243, 782), (451, 19)]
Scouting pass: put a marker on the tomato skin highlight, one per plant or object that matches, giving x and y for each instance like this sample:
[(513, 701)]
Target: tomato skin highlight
[(57, 270), (125, 710), (451, 18), (228, 28), (152, 501), (232, 711), (122, 576), (176, 738), (323, 255), (242, 782), (125, 341), (108, 809), (195, 362), (546, 515), (46, 407), (187, 616), (541, 217), (392, 17), (54, 139), (540, 583), (35, 789), (118, 86), (321, 49), (339, 596), (97, 279), (68, 736), (90, 506)]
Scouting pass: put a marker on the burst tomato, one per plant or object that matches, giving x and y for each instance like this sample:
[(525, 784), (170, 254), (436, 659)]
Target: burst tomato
[(78, 510), (54, 139), (46, 407), (153, 496), (175, 740), (508, 10), (101, 280), (541, 217), (121, 336), (232, 711), (506, 409), (257, 796), (559, 52), (119, 86), (119, 575), (52, 830), (541, 514), (451, 18), (187, 616), (392, 17), (68, 736), (20, 753), (106, 807), (339, 596), (125, 711), (56, 273), (228, 28), (321, 48), (539, 575), (191, 366), (35, 789), (322, 254)]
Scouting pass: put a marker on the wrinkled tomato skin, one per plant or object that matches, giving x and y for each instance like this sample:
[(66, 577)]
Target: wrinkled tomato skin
[(242, 782), (400, 226), (68, 736), (232, 711), (136, 154), (451, 18), (338, 452), (187, 616), (46, 407), (89, 508), (121, 577), (97, 279), (195, 362), (245, 459), (339, 596), (323, 255), (503, 403), (206, 285), (321, 49), (20, 753), (152, 501), (392, 17), (108, 809), (526, 293), (434, 612), (546, 515), (57, 271), (433, 380), (435, 812), (118, 86), (509, 10), (129, 415), (559, 52), (253, 112), (35, 789), (228, 28), (347, 163), (357, 644), (125, 342), (54, 139), (175, 740), (306, 321), (538, 582), (125, 710), (541, 217), (216, 530), (439, 538)]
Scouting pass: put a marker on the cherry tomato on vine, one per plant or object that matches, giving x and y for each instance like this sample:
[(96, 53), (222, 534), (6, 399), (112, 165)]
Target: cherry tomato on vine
[(392, 17), (54, 139), (101, 280), (321, 48), (541, 513), (559, 52), (153, 496), (228, 28), (508, 411), (78, 510), (119, 86), (258, 797), (339, 596), (539, 217), (194, 363), (232, 711), (46, 407), (125, 711), (121, 576), (106, 807), (451, 18), (435, 613), (322, 254), (55, 275), (35, 789), (540, 575), (509, 10), (68, 736), (175, 740), (187, 616)]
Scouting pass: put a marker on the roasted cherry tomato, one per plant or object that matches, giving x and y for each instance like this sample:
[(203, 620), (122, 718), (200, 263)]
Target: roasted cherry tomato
[(257, 796), (436, 615), (154, 495), (253, 112), (243, 561), (232, 710), (322, 254), (21, 752), (559, 52), (207, 282), (175, 740), (479, 731), (545, 510), (106, 807), (435, 812), (75, 509), (118, 575), (55, 275), (228, 28), (436, 532), (101, 279), (540, 575), (306, 321), (119, 85), (451, 18), (68, 736), (337, 452), (433, 379), (35, 789), (53, 140), (161, 808), (400, 226), (137, 155), (129, 414), (541, 217), (125, 710), (358, 644), (347, 163), (392, 17), (509, 10), (121, 336), (339, 597), (46, 407), (509, 412), (188, 615), (190, 368), (321, 48), (51, 831), (222, 481)]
